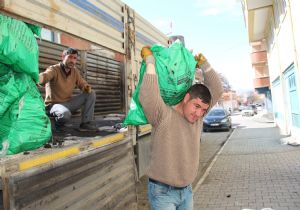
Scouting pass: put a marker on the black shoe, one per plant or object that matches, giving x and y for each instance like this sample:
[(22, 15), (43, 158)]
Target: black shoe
[(88, 126), (60, 127)]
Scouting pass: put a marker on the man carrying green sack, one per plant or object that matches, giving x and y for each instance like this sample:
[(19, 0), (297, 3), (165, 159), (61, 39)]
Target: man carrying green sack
[(175, 135), (175, 67)]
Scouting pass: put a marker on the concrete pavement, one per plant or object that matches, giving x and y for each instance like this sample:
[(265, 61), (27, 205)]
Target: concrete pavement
[(253, 170)]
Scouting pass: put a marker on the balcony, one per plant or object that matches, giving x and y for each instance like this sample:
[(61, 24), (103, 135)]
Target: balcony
[(259, 58), (262, 82), (261, 71), (257, 16)]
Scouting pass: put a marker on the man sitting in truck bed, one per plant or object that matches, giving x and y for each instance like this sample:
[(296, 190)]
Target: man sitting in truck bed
[(60, 80)]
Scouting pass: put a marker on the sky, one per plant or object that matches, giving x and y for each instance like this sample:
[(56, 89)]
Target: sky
[(215, 28)]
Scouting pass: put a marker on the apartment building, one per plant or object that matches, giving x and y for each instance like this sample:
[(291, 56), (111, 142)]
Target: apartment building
[(274, 34)]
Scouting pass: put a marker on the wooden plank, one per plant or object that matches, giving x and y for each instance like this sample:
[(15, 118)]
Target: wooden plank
[(48, 158), (107, 70), (129, 202), (11, 165), (82, 182), (94, 24), (99, 56), (101, 197), (100, 82), (108, 106), (109, 110), (62, 176), (93, 184), (146, 30), (5, 191), (110, 201), (103, 75), (103, 65)]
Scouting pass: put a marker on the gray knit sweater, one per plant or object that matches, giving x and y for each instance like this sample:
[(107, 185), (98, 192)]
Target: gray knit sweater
[(175, 142)]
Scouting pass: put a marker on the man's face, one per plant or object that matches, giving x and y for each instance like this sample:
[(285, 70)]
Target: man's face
[(194, 109), (69, 60)]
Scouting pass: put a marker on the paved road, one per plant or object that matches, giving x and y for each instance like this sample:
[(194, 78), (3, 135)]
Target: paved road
[(253, 171)]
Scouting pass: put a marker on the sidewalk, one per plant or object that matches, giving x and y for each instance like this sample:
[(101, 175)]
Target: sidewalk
[(264, 117), (252, 171)]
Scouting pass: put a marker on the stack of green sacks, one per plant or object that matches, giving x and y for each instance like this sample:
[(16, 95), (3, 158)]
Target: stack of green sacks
[(175, 69), (24, 123)]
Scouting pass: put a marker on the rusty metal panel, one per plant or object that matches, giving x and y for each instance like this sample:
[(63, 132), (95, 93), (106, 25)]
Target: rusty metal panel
[(105, 76), (100, 178), (101, 22)]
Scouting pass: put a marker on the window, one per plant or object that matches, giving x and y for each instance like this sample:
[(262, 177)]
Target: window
[(47, 35), (279, 11), (282, 6), (270, 37), (292, 82)]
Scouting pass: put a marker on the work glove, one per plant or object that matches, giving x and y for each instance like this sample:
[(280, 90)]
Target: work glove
[(200, 59), (147, 55), (87, 89), (202, 62)]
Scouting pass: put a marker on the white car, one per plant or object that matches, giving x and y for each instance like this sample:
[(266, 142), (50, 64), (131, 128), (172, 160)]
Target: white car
[(248, 111)]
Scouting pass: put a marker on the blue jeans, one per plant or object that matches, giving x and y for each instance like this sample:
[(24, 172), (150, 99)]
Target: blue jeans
[(165, 197)]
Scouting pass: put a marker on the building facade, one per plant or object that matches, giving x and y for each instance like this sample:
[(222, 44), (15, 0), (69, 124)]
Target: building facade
[(274, 34)]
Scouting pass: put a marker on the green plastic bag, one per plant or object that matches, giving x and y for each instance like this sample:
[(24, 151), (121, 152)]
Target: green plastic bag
[(31, 127), (175, 68), (18, 47), (4, 69), (5, 126), (10, 90), (24, 123), (35, 29)]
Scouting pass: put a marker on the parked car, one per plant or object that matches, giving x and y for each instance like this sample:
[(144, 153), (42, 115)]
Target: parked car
[(250, 110), (241, 108), (217, 119), (254, 107)]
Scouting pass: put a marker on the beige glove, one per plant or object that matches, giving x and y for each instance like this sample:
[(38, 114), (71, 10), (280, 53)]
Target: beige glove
[(145, 52), (202, 62), (200, 59), (147, 55), (87, 89)]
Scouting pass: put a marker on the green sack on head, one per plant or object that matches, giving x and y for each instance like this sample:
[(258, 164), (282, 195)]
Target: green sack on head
[(175, 69), (18, 47)]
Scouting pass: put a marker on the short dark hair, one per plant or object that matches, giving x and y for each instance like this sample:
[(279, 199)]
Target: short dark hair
[(200, 91), (70, 51)]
